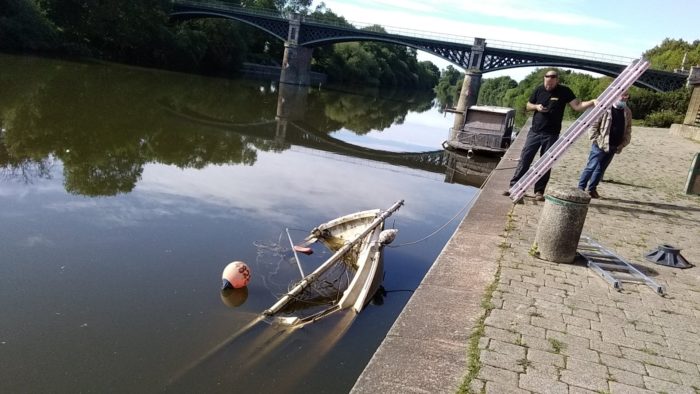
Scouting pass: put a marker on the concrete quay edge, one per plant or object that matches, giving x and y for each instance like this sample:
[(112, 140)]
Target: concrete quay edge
[(426, 348)]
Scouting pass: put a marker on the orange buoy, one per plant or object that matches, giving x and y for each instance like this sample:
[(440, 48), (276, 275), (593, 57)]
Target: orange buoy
[(236, 275)]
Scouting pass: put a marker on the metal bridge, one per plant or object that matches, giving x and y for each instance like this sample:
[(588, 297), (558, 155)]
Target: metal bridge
[(464, 52)]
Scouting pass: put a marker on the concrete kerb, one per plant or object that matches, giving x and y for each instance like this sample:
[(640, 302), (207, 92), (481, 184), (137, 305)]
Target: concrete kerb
[(427, 349)]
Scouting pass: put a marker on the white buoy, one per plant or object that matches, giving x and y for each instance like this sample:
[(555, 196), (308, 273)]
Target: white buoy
[(236, 275), (387, 236)]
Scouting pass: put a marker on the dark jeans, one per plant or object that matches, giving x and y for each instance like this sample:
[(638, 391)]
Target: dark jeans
[(533, 143), (598, 162)]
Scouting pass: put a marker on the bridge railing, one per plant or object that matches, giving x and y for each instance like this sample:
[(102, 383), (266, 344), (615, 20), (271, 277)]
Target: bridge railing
[(569, 52), (516, 46), (420, 34)]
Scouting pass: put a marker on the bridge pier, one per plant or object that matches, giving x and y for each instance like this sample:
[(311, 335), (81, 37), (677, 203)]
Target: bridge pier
[(291, 105), (296, 64), (692, 117), (467, 97), (472, 82), (291, 101), (691, 124)]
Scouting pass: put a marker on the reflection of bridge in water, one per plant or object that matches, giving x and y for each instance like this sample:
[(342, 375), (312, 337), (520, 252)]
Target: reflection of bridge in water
[(285, 133), (458, 167)]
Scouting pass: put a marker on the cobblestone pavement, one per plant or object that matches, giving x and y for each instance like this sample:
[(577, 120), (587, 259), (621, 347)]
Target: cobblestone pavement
[(560, 328)]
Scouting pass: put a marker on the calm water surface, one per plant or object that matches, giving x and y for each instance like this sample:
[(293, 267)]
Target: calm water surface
[(124, 192)]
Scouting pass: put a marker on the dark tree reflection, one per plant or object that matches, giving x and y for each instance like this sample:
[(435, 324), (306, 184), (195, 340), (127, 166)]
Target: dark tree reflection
[(106, 123)]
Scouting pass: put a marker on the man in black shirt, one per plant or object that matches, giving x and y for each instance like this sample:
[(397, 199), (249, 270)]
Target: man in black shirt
[(609, 135), (548, 101)]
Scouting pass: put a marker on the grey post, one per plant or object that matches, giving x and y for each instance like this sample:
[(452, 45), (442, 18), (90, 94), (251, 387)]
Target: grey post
[(561, 224)]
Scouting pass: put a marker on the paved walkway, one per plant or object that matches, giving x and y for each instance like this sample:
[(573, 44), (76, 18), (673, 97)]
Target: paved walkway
[(558, 328)]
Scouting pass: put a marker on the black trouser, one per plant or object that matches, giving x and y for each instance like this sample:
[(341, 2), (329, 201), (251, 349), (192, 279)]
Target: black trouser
[(534, 141)]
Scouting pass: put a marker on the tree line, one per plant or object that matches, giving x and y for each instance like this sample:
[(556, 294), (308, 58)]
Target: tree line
[(654, 109), (141, 33)]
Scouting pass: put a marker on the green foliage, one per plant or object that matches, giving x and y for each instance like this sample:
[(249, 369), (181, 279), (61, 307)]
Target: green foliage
[(659, 109), (493, 90), (298, 6), (376, 64), (216, 46), (448, 87), (124, 31), (24, 28), (669, 54), (370, 63), (663, 118)]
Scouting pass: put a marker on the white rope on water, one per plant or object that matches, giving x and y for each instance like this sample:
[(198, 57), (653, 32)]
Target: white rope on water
[(468, 204)]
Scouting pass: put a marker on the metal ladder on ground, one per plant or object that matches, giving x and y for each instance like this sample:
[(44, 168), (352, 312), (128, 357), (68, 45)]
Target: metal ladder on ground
[(626, 78), (613, 268)]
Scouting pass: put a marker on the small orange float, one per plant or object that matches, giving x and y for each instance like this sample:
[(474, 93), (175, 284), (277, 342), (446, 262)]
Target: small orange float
[(303, 249)]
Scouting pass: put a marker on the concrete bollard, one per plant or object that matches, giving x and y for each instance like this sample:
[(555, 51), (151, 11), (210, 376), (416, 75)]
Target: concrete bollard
[(561, 224)]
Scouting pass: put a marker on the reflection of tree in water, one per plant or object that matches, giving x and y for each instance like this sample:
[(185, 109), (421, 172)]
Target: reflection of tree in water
[(110, 176), (105, 123), (362, 113), (22, 168)]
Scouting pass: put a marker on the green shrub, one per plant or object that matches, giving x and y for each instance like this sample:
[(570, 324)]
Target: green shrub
[(663, 118)]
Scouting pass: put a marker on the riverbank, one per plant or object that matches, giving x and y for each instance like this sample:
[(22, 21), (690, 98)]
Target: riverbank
[(490, 317)]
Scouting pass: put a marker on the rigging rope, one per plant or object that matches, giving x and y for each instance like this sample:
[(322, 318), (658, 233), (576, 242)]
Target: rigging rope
[(469, 203)]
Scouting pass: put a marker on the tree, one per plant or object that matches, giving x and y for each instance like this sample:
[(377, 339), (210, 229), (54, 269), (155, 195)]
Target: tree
[(449, 86), (492, 90), (24, 28), (670, 53), (296, 6)]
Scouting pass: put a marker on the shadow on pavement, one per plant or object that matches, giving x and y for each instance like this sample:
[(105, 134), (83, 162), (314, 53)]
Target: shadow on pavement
[(614, 182), (657, 205)]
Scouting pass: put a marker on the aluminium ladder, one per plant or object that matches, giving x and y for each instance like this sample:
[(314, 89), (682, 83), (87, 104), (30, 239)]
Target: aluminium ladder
[(613, 268), (618, 86)]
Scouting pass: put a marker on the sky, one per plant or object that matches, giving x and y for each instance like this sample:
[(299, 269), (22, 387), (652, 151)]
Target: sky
[(621, 28)]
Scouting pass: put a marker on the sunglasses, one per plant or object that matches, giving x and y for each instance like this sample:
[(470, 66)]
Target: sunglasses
[(550, 76)]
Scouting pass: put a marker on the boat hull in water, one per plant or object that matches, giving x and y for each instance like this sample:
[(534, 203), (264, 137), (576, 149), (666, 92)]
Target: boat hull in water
[(356, 241)]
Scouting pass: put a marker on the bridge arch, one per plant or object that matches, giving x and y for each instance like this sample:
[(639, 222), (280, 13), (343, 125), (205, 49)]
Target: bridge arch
[(460, 58), (276, 29)]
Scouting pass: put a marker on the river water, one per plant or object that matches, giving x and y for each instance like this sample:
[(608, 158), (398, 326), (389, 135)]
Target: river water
[(124, 192)]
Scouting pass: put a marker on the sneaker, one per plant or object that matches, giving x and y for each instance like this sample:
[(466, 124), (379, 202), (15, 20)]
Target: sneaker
[(539, 196), (506, 193), (593, 194)]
